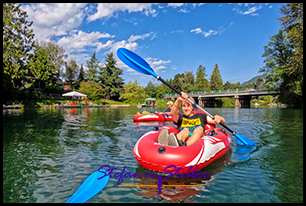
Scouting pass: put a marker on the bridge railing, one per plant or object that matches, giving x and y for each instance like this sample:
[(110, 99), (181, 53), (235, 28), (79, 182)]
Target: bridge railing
[(237, 90)]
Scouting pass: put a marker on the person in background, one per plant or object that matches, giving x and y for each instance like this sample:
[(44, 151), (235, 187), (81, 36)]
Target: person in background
[(190, 126), (168, 110)]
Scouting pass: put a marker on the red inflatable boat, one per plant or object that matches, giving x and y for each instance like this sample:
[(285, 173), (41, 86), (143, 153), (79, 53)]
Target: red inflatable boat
[(152, 117), (152, 155)]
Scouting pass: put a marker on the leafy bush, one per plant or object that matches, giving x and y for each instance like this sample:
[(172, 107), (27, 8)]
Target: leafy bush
[(92, 89)]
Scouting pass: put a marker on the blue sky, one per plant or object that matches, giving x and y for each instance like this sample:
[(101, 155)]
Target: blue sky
[(172, 38)]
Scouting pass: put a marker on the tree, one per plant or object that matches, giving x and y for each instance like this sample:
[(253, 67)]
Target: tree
[(150, 90), (110, 78), (18, 43), (216, 82), (284, 57), (92, 89), (40, 66), (188, 82), (57, 57), (278, 76), (227, 85), (71, 72), (133, 92), (178, 81), (292, 25), (238, 85), (259, 83), (80, 77), (93, 66), (201, 84), (155, 90)]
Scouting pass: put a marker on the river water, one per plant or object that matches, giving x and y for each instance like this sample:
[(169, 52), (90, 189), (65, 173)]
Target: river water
[(48, 153)]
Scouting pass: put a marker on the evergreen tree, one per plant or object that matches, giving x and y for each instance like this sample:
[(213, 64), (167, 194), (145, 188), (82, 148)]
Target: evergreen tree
[(80, 77), (201, 83), (227, 85), (216, 82), (93, 66), (18, 43), (110, 79)]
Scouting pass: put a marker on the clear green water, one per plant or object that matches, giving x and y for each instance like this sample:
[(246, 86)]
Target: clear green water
[(47, 154)]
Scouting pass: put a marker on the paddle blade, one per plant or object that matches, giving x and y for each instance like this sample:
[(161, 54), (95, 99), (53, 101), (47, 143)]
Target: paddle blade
[(89, 188), (135, 62), (242, 140)]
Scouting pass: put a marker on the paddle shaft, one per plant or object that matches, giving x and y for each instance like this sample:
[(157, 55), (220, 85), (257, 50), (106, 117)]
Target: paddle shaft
[(195, 104), (137, 63)]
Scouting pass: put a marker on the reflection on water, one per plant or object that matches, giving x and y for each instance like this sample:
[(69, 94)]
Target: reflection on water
[(48, 153), (181, 193)]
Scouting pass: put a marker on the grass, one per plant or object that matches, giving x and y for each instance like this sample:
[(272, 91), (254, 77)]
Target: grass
[(109, 102)]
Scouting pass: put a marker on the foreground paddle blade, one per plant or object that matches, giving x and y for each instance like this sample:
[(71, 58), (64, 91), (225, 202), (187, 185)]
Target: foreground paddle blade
[(242, 140), (89, 188), (135, 62)]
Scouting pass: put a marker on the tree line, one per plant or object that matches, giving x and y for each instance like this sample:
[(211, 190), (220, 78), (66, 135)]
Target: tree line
[(187, 82), (28, 64), (284, 56)]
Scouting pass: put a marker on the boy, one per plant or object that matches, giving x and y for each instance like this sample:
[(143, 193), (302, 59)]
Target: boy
[(191, 126)]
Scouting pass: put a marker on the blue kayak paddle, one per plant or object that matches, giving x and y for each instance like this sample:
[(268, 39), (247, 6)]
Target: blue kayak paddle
[(139, 64), (89, 188)]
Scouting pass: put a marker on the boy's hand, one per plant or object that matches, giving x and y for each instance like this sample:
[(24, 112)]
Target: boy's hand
[(219, 119)]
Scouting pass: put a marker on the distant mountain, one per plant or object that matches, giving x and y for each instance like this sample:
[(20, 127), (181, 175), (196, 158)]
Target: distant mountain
[(254, 79)]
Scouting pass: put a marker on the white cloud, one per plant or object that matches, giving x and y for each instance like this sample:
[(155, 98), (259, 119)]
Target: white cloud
[(250, 10), (79, 41), (136, 37), (210, 32), (204, 33), (157, 65), (197, 30), (184, 11), (197, 4), (54, 19), (174, 5), (63, 20), (177, 31), (229, 26), (108, 44), (108, 9)]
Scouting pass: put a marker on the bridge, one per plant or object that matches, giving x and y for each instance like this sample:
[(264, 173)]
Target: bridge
[(242, 96)]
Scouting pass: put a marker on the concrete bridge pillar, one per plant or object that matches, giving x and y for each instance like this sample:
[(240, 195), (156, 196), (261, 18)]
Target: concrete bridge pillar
[(242, 101), (200, 102)]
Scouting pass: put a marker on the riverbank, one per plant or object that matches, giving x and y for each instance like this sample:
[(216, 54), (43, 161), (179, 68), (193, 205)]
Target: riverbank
[(63, 104)]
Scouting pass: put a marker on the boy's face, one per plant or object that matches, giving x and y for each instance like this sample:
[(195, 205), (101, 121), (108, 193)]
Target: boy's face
[(187, 108)]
